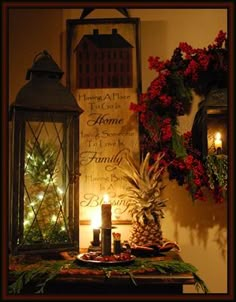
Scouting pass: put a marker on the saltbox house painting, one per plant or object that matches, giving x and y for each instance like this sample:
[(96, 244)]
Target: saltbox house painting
[(104, 61)]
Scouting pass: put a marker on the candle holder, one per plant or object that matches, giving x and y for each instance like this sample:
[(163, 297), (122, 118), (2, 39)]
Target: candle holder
[(96, 243), (106, 226), (116, 243), (219, 151), (117, 247), (106, 242), (94, 248)]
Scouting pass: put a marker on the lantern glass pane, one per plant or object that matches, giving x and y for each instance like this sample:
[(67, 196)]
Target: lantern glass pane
[(217, 125), (45, 210)]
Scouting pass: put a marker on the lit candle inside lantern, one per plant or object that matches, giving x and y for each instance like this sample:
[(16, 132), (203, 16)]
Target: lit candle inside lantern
[(106, 226), (218, 141), (96, 231)]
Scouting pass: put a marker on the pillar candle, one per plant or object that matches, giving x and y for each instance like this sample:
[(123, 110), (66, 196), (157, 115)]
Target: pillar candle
[(106, 226), (106, 242), (96, 233), (106, 213), (116, 243), (96, 223)]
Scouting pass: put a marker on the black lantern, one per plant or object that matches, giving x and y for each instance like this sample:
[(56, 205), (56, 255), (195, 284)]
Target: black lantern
[(45, 163), (217, 121), (210, 126)]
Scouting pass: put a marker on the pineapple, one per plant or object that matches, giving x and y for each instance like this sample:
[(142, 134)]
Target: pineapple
[(144, 197)]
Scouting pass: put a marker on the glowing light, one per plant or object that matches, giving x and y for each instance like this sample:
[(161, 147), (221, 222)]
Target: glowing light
[(218, 141), (96, 221), (106, 198), (31, 214), (53, 218), (60, 191), (40, 196)]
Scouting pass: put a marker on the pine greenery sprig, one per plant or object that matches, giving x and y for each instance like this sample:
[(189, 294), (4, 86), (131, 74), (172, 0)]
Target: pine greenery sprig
[(217, 170), (163, 267), (169, 96), (40, 275), (47, 271), (40, 161)]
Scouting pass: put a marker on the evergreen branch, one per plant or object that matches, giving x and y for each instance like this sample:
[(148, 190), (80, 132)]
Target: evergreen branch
[(200, 284), (178, 144), (132, 278), (43, 284), (47, 271)]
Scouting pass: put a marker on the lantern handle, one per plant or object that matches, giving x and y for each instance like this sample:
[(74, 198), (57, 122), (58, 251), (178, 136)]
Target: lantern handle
[(44, 52)]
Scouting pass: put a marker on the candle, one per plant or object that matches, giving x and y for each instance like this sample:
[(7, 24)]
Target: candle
[(106, 226), (218, 141), (96, 232), (116, 243), (106, 212)]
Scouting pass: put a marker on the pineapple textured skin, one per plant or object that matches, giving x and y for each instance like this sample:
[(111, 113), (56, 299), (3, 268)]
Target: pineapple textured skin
[(144, 197)]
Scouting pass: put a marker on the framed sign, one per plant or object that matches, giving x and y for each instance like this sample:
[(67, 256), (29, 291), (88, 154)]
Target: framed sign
[(103, 73)]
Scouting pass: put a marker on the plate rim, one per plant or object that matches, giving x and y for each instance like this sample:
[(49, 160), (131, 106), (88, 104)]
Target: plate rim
[(78, 257)]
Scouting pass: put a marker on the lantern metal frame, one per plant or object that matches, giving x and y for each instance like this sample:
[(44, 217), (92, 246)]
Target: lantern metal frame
[(212, 114), (217, 118), (46, 101)]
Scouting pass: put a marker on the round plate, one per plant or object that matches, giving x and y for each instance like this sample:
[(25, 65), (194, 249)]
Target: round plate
[(117, 262), (154, 250)]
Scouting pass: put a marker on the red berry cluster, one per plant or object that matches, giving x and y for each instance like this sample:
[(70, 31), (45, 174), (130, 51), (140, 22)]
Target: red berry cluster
[(169, 96)]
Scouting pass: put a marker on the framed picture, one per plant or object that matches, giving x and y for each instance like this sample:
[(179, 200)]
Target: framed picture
[(103, 73)]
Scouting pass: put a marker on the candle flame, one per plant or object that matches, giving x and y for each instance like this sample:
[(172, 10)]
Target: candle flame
[(106, 198), (218, 136), (218, 142)]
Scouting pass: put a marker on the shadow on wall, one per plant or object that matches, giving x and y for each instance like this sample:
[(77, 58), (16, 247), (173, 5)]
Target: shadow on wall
[(198, 217)]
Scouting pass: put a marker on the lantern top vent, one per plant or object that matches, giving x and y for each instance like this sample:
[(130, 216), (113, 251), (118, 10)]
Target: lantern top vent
[(43, 62), (43, 91)]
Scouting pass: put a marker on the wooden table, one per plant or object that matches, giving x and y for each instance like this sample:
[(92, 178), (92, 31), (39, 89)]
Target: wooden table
[(146, 284), (88, 283)]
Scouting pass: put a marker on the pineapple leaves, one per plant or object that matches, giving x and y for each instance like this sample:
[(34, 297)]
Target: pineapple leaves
[(144, 167), (143, 191)]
